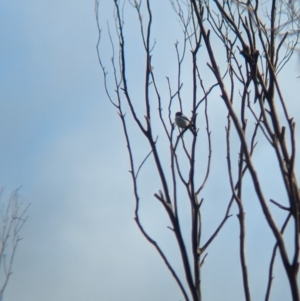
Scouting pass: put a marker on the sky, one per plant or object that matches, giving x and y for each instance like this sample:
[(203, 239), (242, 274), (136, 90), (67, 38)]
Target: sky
[(63, 146)]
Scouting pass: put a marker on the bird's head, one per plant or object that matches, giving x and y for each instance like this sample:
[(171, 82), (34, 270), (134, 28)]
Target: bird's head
[(178, 114)]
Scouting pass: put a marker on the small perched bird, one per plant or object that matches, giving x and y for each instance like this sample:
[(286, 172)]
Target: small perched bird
[(181, 120)]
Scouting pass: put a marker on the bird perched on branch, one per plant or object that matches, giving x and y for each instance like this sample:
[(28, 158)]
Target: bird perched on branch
[(183, 122)]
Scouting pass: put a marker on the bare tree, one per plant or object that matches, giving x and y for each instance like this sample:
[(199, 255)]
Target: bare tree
[(242, 47), (12, 220), (289, 13)]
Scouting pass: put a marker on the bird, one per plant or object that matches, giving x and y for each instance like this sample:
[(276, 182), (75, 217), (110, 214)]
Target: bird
[(183, 122)]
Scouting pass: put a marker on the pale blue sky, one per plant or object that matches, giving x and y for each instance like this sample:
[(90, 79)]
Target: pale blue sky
[(61, 140)]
